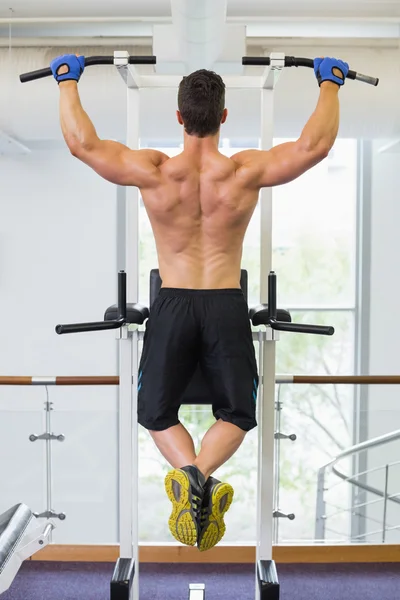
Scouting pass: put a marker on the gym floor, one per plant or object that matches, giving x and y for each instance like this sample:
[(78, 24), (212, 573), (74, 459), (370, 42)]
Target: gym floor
[(72, 581)]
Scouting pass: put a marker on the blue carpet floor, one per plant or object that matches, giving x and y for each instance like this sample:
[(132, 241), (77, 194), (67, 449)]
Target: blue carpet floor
[(75, 581)]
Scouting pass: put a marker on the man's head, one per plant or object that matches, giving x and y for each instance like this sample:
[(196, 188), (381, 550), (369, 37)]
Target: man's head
[(201, 102)]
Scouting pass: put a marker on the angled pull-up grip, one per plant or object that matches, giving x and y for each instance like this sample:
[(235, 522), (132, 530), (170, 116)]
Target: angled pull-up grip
[(293, 61), (89, 62)]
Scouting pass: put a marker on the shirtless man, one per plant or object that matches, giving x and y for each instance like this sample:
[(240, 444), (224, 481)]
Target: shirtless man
[(199, 204)]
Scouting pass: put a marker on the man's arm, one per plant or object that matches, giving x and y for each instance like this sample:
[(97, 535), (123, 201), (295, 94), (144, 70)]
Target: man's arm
[(112, 160), (286, 162)]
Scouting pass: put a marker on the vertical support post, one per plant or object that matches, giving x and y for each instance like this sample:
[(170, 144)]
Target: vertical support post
[(128, 454), (121, 228), (320, 518), (126, 524), (266, 415), (385, 503), (267, 391), (267, 110), (128, 344), (49, 461), (132, 268), (277, 463), (132, 198)]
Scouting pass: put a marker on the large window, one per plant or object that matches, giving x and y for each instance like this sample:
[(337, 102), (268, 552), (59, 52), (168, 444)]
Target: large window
[(314, 244), (314, 241)]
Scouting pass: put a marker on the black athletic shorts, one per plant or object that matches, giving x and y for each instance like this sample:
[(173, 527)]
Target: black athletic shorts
[(187, 328)]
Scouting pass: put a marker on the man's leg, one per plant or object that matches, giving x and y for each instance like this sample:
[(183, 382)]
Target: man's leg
[(169, 359), (229, 365), (219, 444), (176, 445)]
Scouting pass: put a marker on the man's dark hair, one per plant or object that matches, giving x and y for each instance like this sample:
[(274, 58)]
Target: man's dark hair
[(201, 102)]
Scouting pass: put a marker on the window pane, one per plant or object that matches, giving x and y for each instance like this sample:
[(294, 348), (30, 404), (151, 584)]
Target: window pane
[(314, 232), (320, 415)]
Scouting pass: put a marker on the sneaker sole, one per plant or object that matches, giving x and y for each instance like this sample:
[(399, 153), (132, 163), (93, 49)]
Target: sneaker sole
[(182, 523), (214, 529)]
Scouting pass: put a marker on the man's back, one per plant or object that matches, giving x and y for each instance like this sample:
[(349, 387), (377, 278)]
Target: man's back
[(199, 212)]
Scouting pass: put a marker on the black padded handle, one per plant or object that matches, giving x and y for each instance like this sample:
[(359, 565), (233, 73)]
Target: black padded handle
[(301, 328), (89, 62), (293, 61), (85, 327), (272, 319), (102, 325)]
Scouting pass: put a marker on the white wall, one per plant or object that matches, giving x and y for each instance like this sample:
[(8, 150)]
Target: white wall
[(58, 264), (384, 401)]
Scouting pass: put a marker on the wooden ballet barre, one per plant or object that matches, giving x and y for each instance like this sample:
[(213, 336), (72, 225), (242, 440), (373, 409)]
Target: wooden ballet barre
[(340, 379), (84, 380), (280, 379)]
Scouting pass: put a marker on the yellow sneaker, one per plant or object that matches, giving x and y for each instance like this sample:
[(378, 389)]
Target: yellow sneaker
[(184, 488), (217, 501)]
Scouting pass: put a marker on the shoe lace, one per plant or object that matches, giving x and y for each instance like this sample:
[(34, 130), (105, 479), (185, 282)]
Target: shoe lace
[(196, 504), (203, 516)]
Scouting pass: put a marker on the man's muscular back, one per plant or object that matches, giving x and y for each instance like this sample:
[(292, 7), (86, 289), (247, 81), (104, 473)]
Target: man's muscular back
[(199, 211), (200, 202)]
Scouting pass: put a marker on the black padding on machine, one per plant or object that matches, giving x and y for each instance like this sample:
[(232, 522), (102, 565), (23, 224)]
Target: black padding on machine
[(13, 524), (122, 579), (155, 284), (135, 313), (259, 315), (268, 580)]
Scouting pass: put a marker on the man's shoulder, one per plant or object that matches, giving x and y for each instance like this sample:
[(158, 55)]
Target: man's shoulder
[(244, 157), (156, 157)]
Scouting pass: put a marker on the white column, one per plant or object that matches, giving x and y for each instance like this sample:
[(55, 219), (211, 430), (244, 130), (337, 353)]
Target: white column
[(128, 356), (132, 269), (132, 199), (266, 403), (127, 523), (266, 397)]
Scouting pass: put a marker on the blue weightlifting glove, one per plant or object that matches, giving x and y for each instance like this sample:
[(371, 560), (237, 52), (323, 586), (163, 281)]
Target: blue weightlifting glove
[(323, 69), (75, 64)]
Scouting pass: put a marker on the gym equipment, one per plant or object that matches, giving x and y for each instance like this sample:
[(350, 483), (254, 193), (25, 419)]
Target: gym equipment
[(292, 61), (21, 535), (126, 318), (124, 584)]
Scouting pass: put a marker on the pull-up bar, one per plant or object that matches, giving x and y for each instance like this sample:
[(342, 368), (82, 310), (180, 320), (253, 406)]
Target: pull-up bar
[(89, 62), (280, 379), (263, 61), (293, 61)]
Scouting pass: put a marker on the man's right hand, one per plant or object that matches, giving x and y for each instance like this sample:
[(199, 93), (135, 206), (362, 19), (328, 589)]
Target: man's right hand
[(330, 69), (68, 67)]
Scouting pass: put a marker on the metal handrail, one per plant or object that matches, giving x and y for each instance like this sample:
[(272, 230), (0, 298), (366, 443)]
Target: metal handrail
[(320, 524), (378, 441), (367, 472), (364, 486)]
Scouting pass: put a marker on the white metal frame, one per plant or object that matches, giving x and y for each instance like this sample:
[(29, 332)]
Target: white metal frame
[(128, 348)]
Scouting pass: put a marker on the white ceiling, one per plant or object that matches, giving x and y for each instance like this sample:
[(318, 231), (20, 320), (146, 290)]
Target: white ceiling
[(157, 8)]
